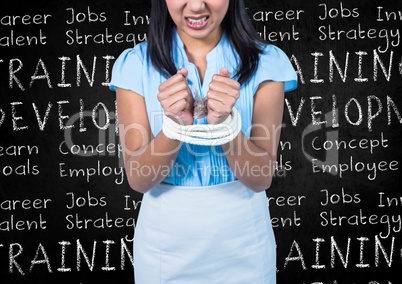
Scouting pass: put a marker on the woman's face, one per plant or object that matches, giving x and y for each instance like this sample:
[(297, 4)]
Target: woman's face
[(198, 19)]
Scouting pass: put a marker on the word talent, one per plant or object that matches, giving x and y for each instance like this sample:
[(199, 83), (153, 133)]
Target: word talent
[(13, 39)]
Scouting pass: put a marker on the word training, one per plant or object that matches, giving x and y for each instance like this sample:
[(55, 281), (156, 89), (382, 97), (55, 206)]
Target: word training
[(96, 256)]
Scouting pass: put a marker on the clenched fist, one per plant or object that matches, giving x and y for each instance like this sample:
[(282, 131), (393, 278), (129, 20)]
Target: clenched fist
[(221, 97), (176, 99)]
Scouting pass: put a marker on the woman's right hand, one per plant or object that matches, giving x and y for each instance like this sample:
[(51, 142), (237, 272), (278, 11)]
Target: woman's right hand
[(176, 99)]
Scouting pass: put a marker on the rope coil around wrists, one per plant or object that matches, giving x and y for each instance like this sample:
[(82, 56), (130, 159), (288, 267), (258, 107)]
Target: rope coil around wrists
[(204, 134)]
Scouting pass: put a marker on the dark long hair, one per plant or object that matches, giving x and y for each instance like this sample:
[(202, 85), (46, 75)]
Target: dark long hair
[(236, 24)]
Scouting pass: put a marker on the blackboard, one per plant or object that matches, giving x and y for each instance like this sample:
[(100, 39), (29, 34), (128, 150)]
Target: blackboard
[(67, 214)]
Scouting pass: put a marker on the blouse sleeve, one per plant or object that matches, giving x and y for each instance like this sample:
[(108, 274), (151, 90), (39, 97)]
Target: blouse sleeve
[(127, 71), (275, 66)]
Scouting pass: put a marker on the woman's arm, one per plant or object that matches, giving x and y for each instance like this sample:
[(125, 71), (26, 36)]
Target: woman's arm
[(253, 160), (147, 159)]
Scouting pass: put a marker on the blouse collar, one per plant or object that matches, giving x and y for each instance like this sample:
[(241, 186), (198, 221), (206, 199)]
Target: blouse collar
[(216, 51)]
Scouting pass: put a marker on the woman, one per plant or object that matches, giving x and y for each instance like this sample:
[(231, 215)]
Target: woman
[(204, 216)]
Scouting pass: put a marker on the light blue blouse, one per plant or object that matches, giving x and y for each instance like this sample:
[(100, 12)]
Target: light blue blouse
[(199, 165)]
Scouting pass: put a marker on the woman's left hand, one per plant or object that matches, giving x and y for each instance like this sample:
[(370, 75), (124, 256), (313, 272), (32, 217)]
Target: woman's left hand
[(222, 96)]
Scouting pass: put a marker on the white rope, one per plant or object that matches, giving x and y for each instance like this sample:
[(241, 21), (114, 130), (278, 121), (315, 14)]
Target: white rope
[(204, 134)]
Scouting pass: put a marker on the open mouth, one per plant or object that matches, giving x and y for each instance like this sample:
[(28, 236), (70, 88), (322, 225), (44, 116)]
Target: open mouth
[(197, 23)]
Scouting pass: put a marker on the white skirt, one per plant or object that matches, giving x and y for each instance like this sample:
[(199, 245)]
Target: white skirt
[(213, 234)]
